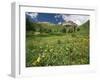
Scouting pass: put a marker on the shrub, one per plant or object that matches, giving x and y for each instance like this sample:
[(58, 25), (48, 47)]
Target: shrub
[(78, 29), (73, 35), (64, 30), (70, 30), (59, 42)]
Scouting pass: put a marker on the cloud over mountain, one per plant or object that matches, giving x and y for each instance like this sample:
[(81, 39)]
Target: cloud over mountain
[(78, 19)]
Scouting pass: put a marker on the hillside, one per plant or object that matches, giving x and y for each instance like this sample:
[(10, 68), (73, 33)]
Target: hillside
[(46, 27), (86, 25), (84, 28)]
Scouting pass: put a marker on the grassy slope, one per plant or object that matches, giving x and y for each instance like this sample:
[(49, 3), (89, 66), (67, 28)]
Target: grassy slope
[(58, 49)]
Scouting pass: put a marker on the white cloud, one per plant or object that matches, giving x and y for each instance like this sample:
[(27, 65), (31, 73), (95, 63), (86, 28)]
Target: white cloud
[(56, 19), (77, 22), (66, 17), (59, 23), (58, 16), (78, 19), (32, 15)]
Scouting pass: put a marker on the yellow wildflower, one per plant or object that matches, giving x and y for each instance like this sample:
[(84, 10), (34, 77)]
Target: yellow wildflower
[(38, 59)]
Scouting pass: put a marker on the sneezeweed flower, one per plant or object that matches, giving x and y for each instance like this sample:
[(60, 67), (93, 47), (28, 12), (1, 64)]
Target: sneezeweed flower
[(45, 50), (51, 50), (43, 55), (38, 59), (67, 48), (40, 47), (34, 63)]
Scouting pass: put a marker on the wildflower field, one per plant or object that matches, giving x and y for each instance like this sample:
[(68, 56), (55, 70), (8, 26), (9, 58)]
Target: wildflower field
[(57, 48)]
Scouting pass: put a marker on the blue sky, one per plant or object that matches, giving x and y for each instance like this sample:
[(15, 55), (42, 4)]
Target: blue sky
[(56, 18)]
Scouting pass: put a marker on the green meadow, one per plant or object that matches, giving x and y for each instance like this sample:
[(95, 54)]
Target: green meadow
[(54, 45)]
